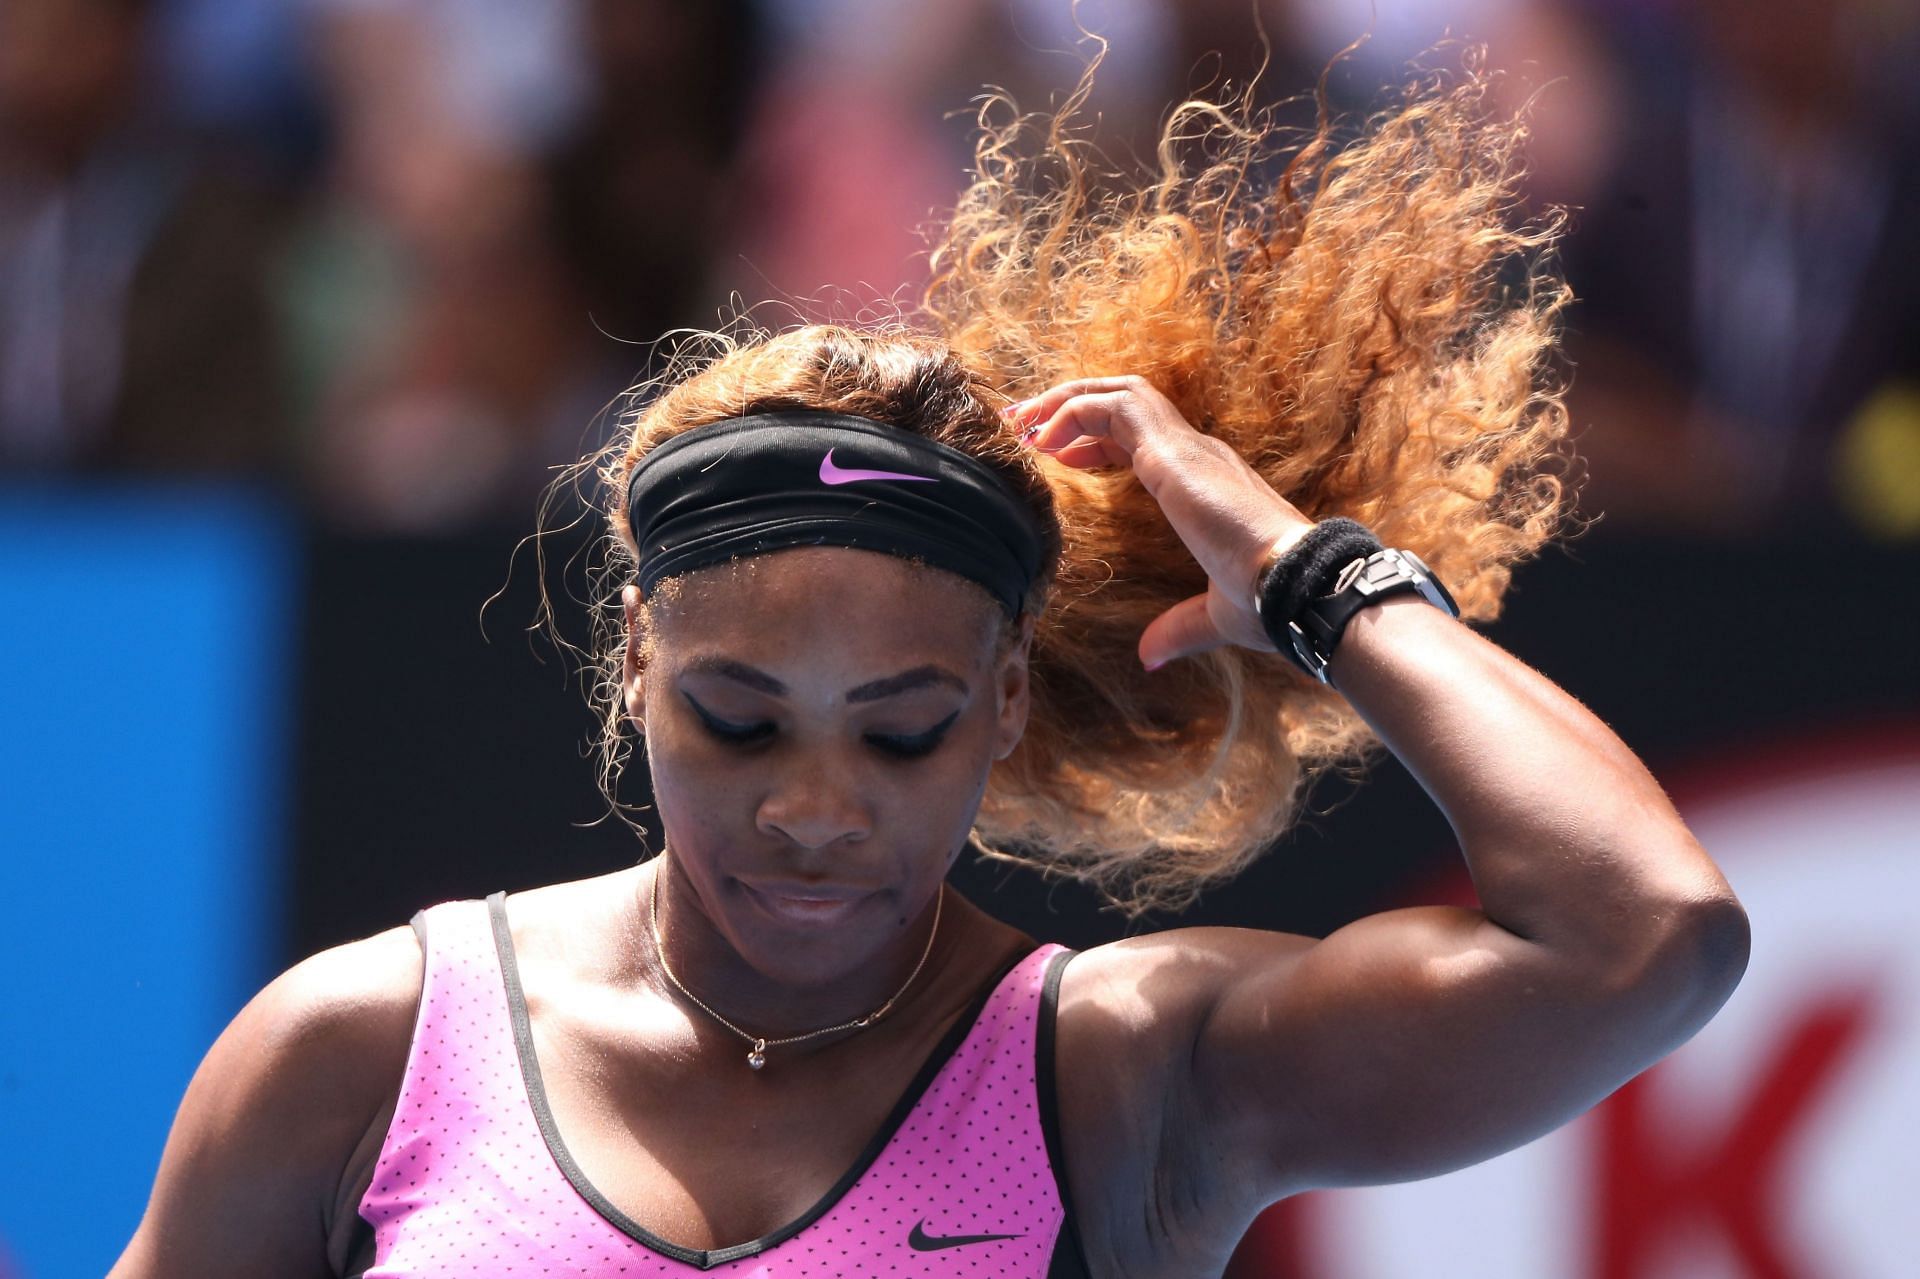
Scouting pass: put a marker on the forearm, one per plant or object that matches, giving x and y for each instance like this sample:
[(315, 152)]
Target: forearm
[(1569, 839)]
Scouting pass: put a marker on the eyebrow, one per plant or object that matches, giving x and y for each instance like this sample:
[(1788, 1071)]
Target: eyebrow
[(893, 685)]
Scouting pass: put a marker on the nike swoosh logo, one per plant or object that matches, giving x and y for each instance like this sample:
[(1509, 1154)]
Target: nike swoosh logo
[(831, 474), (921, 1241)]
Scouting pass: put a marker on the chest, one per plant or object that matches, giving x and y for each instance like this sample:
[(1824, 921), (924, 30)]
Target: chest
[(715, 1159), (644, 1135), (711, 1158)]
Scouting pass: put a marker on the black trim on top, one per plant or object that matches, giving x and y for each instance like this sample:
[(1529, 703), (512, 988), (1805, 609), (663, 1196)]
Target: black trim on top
[(1069, 1251), (707, 1258)]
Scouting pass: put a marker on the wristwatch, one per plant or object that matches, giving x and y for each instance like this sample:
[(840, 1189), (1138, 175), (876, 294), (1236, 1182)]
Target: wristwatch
[(1366, 580)]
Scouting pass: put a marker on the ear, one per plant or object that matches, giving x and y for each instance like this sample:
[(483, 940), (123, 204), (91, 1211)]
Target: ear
[(633, 691), (1012, 688)]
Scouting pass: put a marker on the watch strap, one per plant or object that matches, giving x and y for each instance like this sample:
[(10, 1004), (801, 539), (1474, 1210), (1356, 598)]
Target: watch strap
[(1309, 568), (1315, 633)]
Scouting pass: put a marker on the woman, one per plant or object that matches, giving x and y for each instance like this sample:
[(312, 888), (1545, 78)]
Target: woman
[(871, 613)]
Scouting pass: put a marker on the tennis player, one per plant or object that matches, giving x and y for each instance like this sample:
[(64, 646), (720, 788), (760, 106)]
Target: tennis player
[(1170, 497)]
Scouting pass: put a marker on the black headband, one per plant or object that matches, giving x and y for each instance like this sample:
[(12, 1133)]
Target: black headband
[(744, 485)]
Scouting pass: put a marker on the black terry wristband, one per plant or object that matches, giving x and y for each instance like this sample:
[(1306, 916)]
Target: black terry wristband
[(1308, 570)]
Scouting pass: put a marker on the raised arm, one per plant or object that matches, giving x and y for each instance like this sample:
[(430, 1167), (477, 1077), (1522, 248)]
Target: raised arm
[(1415, 1041), (251, 1177)]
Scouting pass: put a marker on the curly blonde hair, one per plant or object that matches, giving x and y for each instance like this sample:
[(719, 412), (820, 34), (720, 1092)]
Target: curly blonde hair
[(1353, 326)]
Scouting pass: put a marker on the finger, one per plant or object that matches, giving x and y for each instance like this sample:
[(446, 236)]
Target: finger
[(1044, 405), (1097, 418), (1086, 454), (1183, 630)]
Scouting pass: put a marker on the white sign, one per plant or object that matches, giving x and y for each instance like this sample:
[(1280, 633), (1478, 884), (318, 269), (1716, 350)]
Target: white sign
[(1781, 1142)]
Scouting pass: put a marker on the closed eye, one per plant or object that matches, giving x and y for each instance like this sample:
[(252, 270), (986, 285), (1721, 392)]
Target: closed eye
[(910, 747)]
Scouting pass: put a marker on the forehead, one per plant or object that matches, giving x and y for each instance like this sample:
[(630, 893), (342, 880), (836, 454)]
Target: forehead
[(866, 606)]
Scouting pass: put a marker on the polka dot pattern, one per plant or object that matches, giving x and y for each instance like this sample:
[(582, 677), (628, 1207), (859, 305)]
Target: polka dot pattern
[(467, 1185)]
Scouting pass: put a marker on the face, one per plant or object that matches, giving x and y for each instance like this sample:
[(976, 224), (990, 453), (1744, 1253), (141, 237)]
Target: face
[(831, 740)]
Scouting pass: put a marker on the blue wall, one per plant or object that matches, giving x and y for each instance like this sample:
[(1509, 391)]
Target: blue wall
[(144, 704)]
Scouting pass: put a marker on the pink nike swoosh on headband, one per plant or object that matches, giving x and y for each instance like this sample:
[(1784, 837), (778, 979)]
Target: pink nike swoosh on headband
[(831, 474)]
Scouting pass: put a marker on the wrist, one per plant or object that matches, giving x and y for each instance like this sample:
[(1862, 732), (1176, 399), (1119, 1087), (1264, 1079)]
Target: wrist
[(1341, 571), (1276, 550), (1312, 568), (1376, 633)]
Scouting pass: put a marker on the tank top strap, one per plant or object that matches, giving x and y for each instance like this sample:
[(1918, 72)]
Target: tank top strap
[(463, 1027), (1069, 1257), (461, 1128)]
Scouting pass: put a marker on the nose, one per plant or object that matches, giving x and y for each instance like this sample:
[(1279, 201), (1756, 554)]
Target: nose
[(814, 806)]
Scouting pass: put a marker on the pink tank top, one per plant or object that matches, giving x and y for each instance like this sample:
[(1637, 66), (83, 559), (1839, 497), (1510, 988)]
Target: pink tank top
[(473, 1179)]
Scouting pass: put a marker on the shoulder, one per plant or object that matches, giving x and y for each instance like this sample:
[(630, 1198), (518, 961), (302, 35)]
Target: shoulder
[(1140, 1016), (346, 1012), (275, 1111), (1159, 989), (1146, 1175), (324, 1039), (576, 926)]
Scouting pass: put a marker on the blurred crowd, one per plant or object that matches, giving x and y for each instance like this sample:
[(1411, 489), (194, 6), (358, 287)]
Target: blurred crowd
[(401, 258)]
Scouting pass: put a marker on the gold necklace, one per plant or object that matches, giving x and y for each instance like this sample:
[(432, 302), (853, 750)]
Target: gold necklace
[(757, 1055)]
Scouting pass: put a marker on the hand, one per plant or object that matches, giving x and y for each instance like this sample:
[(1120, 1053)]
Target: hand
[(1227, 515)]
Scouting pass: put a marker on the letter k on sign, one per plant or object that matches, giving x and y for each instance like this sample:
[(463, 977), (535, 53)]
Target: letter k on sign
[(1730, 1183)]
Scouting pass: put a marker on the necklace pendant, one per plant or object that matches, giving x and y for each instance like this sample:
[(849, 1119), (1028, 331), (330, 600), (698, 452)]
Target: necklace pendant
[(758, 1056)]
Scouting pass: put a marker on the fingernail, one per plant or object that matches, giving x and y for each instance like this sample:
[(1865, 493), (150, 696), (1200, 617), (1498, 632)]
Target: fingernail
[(1154, 666)]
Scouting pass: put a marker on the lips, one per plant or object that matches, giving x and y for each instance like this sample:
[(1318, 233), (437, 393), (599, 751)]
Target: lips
[(802, 903)]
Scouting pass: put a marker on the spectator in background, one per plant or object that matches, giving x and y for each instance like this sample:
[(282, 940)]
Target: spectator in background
[(1742, 176), (136, 325), (861, 131), (639, 186), (1749, 273), (477, 272), (440, 340), (1549, 62)]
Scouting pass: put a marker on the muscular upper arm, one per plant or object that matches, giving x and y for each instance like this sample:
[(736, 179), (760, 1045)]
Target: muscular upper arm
[(1414, 1042), (253, 1161)]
